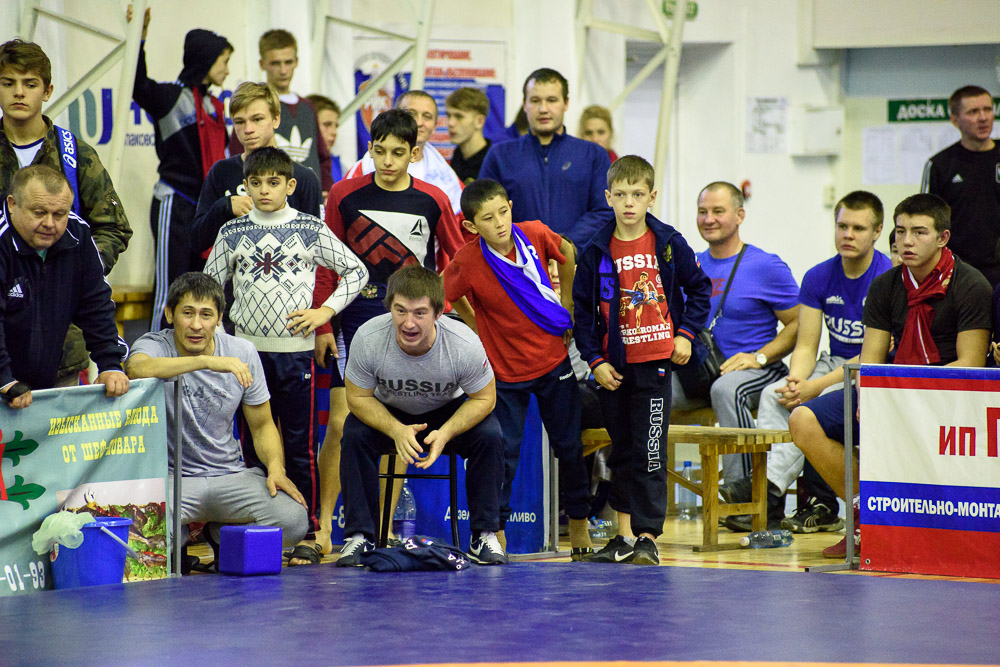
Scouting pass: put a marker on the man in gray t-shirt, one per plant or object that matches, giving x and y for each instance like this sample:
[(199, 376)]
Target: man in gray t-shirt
[(218, 373), (418, 385)]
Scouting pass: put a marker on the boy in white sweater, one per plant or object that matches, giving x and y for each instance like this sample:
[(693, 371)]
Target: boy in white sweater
[(271, 254)]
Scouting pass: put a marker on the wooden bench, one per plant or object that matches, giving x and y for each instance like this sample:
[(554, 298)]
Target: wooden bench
[(132, 302), (703, 416), (714, 441)]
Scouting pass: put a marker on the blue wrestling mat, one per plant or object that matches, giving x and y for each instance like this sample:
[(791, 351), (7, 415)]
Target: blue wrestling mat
[(522, 612)]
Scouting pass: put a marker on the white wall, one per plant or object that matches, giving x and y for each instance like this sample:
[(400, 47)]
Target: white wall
[(734, 49), (876, 23), (750, 51)]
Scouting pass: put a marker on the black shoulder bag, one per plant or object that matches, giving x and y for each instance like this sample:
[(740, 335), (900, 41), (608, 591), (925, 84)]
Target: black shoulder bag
[(697, 379)]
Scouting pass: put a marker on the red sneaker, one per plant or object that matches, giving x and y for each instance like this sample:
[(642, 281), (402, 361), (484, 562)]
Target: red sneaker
[(839, 550)]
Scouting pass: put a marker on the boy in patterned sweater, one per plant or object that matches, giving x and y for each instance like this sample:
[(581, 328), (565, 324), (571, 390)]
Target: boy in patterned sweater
[(272, 254)]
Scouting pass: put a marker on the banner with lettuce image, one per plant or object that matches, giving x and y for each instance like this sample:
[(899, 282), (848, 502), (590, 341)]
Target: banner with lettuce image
[(79, 451)]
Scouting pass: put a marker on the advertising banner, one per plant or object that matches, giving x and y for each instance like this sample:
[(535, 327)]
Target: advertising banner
[(450, 65), (77, 450), (930, 470)]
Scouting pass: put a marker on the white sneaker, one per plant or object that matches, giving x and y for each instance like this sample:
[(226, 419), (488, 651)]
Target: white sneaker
[(486, 550), (350, 555)]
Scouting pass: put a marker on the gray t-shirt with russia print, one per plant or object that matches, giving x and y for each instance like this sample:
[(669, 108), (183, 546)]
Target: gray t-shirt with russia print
[(456, 363)]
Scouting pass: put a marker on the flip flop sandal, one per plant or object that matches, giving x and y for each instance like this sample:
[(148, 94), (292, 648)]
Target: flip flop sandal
[(308, 552), (580, 553)]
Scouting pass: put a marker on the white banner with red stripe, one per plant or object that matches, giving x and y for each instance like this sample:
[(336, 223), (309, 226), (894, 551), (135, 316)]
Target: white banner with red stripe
[(930, 470)]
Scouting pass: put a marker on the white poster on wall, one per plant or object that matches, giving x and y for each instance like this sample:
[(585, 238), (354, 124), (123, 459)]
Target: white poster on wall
[(767, 125), (896, 154)]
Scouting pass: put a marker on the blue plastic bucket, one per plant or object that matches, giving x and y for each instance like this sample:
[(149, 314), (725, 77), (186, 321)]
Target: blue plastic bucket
[(99, 560)]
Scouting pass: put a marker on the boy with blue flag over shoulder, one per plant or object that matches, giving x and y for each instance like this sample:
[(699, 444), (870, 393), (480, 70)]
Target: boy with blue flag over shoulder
[(631, 349), (500, 286)]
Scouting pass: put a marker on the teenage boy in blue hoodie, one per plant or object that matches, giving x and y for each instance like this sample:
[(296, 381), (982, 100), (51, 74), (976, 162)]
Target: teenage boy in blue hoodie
[(631, 349)]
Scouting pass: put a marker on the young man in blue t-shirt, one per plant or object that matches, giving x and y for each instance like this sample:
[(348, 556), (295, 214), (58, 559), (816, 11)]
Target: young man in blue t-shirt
[(763, 292), (833, 294)]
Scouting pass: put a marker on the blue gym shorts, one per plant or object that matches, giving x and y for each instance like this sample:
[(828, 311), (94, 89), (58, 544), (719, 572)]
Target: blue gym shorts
[(829, 411)]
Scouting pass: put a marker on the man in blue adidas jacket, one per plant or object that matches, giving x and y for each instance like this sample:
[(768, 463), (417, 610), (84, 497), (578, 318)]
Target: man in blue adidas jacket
[(549, 175), (51, 275)]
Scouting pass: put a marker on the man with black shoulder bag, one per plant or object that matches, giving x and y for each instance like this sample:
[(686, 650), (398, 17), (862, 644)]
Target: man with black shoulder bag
[(705, 368), (758, 291)]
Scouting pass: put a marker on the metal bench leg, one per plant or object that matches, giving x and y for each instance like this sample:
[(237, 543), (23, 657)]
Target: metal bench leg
[(453, 499), (383, 535)]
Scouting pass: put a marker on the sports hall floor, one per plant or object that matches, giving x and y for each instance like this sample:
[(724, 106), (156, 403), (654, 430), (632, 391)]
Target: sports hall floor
[(726, 608)]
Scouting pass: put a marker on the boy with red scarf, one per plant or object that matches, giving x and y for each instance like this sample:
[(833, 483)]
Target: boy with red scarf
[(190, 127), (935, 305)]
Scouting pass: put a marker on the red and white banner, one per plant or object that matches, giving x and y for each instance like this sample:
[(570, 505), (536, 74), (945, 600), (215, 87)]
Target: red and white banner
[(930, 470)]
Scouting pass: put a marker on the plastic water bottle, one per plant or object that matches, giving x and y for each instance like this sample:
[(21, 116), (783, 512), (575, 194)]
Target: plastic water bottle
[(602, 529), (687, 507), (767, 539), (404, 521)]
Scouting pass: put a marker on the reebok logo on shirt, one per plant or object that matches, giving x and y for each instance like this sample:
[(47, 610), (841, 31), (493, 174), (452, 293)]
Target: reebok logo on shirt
[(15, 292)]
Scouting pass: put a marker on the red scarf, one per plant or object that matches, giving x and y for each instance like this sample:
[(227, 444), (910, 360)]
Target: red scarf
[(917, 347), (211, 131)]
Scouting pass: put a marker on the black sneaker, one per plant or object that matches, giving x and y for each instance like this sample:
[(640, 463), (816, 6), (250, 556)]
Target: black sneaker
[(741, 491), (615, 551), (737, 491), (813, 517), (486, 550), (743, 523), (645, 552), (350, 555)]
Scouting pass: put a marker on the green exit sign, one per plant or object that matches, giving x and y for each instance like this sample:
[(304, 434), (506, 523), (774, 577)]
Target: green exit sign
[(922, 111), (670, 6)]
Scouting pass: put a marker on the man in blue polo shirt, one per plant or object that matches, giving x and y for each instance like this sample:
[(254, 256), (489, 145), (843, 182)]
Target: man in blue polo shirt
[(763, 292), (833, 294), (549, 175)]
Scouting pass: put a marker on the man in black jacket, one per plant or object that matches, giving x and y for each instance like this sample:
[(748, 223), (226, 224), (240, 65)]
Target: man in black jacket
[(51, 275)]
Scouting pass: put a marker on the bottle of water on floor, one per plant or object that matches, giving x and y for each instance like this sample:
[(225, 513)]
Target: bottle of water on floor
[(602, 529), (767, 539), (687, 507), (404, 521)]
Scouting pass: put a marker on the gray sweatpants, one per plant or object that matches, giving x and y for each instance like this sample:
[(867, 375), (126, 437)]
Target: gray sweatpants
[(240, 498), (785, 460)]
